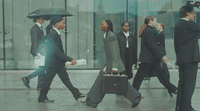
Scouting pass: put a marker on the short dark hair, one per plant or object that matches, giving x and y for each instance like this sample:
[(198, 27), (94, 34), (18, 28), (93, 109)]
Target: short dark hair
[(124, 23), (184, 10), (37, 17), (147, 19)]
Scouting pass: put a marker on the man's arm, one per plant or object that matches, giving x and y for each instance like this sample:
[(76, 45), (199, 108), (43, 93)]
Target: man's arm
[(34, 41), (58, 52), (151, 41)]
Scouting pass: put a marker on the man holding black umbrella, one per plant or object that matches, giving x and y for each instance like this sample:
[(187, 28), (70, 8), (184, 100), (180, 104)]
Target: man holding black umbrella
[(37, 35)]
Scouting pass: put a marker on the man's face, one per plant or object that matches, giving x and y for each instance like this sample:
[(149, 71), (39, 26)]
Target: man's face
[(191, 15), (40, 20), (158, 27), (61, 24), (125, 27), (104, 26), (154, 22)]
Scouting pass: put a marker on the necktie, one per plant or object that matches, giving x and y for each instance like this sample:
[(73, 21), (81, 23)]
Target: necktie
[(41, 27)]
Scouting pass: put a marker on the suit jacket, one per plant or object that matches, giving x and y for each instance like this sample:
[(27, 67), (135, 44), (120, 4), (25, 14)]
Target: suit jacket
[(55, 56), (113, 59), (161, 42), (149, 47), (36, 37), (132, 41), (186, 42)]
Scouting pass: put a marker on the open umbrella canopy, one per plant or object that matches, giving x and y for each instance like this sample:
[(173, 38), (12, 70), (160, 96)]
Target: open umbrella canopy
[(48, 12)]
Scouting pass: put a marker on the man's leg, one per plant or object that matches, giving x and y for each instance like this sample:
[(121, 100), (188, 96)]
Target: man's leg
[(48, 78), (187, 84), (62, 73), (141, 73), (95, 95), (39, 71), (159, 72), (40, 78)]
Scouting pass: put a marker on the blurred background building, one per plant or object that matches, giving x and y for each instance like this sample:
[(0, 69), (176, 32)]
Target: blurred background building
[(85, 38)]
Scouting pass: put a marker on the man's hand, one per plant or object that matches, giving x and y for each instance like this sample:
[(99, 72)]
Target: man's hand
[(192, 3), (165, 59), (114, 71), (74, 62), (105, 71)]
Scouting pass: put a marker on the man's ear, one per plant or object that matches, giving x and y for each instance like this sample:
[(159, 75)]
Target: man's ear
[(187, 14)]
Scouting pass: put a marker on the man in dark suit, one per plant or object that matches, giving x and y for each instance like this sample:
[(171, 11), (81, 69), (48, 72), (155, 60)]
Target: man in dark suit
[(150, 57), (37, 35), (187, 57), (55, 61), (128, 48)]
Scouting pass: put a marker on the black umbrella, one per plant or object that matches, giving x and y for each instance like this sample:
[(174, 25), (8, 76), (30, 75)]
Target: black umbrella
[(48, 13)]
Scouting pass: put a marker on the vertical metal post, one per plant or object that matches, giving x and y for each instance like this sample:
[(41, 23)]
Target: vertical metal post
[(4, 51), (65, 29), (126, 10)]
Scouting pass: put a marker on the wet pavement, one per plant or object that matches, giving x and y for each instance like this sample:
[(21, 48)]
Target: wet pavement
[(14, 96)]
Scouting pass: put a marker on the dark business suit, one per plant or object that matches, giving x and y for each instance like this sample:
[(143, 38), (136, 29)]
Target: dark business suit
[(55, 63), (187, 58), (150, 58), (128, 55), (161, 48), (37, 35), (95, 95)]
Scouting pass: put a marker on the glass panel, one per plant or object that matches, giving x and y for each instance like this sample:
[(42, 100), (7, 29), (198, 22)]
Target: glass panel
[(1, 37), (81, 27), (9, 40)]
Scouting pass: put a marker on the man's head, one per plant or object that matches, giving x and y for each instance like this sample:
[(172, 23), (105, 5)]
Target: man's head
[(58, 22), (125, 26), (106, 25), (187, 12), (39, 19), (150, 20)]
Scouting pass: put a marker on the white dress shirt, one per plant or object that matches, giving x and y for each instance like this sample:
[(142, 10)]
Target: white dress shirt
[(56, 30), (39, 25), (127, 35), (184, 19)]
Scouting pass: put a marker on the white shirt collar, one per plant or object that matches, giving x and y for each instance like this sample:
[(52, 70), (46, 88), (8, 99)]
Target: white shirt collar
[(38, 24), (104, 36), (56, 30), (126, 34), (184, 19), (160, 31)]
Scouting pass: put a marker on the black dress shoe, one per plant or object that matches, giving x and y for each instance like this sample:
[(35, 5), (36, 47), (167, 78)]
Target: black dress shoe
[(46, 101), (80, 95), (134, 105), (26, 82)]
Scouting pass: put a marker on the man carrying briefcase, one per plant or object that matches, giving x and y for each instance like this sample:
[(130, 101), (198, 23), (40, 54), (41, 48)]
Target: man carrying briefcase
[(113, 65)]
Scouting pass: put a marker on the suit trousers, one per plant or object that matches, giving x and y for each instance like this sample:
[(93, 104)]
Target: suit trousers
[(166, 74), (128, 65), (40, 73), (95, 94), (50, 74), (186, 85), (156, 67)]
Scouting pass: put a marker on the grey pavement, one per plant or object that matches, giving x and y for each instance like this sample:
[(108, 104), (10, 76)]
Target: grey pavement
[(14, 96)]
